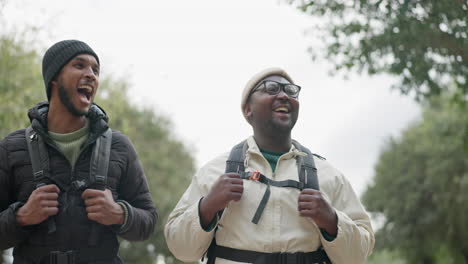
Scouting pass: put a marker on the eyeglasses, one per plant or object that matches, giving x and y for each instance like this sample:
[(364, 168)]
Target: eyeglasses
[(274, 88)]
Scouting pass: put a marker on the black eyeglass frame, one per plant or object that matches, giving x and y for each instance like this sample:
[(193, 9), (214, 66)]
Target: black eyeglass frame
[(282, 88)]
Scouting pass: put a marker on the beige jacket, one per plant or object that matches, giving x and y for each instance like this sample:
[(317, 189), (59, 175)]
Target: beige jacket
[(281, 228)]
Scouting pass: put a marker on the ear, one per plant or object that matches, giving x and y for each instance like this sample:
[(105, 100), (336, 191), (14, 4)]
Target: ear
[(53, 87), (248, 111), (53, 84)]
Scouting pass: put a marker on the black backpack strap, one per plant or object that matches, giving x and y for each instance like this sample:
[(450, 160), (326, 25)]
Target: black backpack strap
[(247, 256), (98, 173), (39, 157), (40, 165), (235, 162), (307, 179), (100, 160), (307, 168), (257, 176)]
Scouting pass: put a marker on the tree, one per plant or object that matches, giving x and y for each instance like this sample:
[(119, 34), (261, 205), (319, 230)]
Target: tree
[(423, 43), (167, 162), (385, 256), (420, 188), (20, 83), (19, 78)]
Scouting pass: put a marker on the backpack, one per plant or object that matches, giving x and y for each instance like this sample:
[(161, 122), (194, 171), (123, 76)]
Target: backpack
[(306, 170), (307, 179), (97, 173)]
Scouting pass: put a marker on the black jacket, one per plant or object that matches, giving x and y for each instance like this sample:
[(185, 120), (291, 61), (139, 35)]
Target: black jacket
[(125, 179)]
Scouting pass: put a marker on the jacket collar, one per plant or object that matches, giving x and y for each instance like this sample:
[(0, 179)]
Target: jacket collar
[(292, 153), (96, 115)]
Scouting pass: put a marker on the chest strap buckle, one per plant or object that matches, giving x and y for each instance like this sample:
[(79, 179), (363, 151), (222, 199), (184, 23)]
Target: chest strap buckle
[(255, 176)]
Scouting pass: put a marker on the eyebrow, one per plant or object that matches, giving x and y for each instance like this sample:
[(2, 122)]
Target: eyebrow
[(79, 58)]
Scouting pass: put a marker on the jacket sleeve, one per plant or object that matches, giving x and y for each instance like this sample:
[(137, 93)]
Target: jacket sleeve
[(11, 233), (135, 195), (185, 237), (355, 239)]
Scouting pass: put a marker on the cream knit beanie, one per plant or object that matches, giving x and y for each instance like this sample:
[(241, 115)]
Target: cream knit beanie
[(252, 83)]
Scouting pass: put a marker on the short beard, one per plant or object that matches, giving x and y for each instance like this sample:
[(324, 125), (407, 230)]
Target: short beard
[(276, 130), (66, 101), (284, 129), (281, 130)]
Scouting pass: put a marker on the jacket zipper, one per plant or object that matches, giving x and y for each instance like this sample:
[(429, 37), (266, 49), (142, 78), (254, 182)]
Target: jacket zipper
[(51, 143)]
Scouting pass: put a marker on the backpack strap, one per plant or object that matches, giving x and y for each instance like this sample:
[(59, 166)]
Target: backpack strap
[(235, 162), (307, 179), (39, 157), (100, 160), (99, 166), (247, 256), (40, 165), (307, 168)]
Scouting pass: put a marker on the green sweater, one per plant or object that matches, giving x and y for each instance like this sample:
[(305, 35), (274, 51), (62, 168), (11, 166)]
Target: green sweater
[(272, 157), (70, 143)]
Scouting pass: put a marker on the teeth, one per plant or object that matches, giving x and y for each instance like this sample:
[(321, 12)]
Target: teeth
[(88, 88), (282, 109)]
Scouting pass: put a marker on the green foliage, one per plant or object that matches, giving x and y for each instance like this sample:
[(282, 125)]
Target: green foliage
[(167, 162), (423, 43), (386, 257), (21, 84), (420, 187)]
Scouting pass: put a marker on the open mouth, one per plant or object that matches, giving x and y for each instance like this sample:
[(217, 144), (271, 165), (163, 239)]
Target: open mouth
[(86, 91), (281, 109)]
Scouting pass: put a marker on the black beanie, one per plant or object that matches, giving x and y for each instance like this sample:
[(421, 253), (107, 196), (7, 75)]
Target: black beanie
[(60, 54)]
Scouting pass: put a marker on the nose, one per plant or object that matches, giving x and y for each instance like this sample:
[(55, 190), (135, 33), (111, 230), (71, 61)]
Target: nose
[(89, 73), (282, 95)]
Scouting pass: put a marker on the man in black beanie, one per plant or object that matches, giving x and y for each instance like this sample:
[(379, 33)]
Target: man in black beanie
[(69, 184)]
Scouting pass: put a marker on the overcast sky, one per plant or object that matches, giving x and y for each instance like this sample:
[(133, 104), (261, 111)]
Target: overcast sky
[(189, 60)]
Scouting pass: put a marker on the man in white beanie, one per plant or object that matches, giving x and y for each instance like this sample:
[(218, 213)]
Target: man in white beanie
[(270, 200)]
